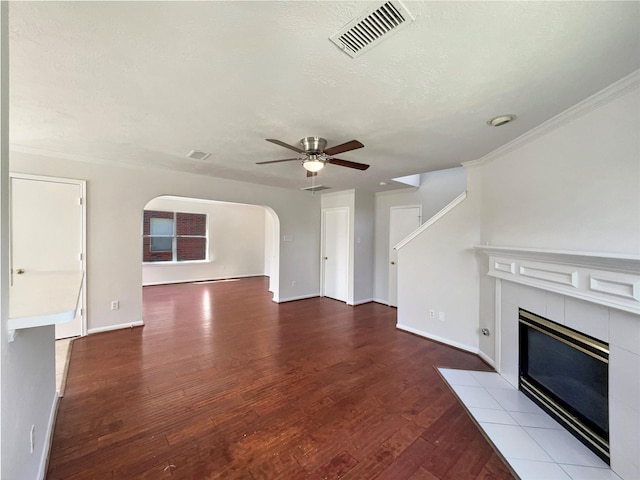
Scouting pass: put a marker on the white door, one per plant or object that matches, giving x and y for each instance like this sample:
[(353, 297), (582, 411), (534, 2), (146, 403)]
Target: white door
[(402, 221), (47, 232), (335, 253)]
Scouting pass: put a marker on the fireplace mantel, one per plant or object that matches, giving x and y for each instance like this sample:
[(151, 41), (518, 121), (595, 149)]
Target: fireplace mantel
[(607, 279)]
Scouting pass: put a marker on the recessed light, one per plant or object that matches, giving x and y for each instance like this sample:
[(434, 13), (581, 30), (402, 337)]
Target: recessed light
[(198, 155), (383, 183), (501, 120)]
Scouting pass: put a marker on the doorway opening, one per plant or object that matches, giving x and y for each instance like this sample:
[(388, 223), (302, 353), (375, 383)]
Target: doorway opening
[(193, 240)]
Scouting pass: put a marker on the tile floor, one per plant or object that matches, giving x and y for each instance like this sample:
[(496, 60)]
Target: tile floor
[(63, 353), (534, 444)]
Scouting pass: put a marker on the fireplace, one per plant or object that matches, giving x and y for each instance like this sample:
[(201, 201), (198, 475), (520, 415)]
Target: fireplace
[(565, 372)]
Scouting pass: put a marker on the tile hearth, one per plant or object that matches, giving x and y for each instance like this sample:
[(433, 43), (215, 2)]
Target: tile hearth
[(535, 445)]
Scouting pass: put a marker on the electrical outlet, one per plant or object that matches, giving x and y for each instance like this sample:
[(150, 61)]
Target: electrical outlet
[(32, 438), (115, 304), (441, 316), (432, 313)]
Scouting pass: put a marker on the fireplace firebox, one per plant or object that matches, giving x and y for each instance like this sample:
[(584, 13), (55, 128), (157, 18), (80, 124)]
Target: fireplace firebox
[(565, 372)]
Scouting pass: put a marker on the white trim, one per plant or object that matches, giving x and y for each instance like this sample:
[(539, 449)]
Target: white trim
[(301, 297), (604, 96), (361, 302), (487, 359), (608, 279), (498, 327), (381, 301), (446, 341), (207, 279), (432, 220), (120, 326), (48, 437)]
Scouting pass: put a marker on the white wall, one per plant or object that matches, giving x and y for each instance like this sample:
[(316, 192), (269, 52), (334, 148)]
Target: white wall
[(576, 187), (572, 184), (236, 242), (429, 279), (436, 190), (364, 245), (116, 197), (27, 372)]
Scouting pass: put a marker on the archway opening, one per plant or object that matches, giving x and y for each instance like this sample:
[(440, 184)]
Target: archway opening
[(191, 239)]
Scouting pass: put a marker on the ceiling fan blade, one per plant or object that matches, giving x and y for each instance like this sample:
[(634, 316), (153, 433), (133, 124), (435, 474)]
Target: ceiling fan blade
[(311, 174), (278, 161), (343, 147), (347, 163), (285, 145)]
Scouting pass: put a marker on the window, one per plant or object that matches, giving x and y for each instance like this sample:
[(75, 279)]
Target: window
[(174, 236)]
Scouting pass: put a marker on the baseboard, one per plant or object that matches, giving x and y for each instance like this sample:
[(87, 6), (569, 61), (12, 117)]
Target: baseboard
[(446, 341), (210, 279), (361, 302), (48, 439), (120, 326), (380, 301), (487, 359), (301, 297)]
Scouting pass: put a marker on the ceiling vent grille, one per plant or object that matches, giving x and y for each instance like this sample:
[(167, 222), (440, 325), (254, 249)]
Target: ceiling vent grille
[(198, 155), (315, 188), (369, 29)]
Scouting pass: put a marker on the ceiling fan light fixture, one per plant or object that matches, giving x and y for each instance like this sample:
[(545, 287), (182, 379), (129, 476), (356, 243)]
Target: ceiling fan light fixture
[(313, 164)]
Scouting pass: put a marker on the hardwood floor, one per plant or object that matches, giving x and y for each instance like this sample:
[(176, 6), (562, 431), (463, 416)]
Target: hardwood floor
[(223, 383)]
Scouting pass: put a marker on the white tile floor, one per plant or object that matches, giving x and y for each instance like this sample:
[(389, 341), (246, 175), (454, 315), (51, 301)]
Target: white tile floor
[(63, 351), (534, 444)]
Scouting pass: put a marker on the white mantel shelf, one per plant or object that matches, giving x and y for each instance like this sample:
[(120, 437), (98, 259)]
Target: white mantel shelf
[(43, 298), (608, 279)]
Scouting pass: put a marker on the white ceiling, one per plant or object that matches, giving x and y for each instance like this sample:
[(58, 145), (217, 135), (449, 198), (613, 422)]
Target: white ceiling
[(144, 83)]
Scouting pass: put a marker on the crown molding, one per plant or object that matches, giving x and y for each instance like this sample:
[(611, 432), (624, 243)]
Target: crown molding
[(607, 95)]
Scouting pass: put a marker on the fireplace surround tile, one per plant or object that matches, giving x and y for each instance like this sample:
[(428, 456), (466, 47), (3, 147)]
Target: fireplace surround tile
[(527, 469), (624, 378), (538, 420), (514, 442), (491, 415), (513, 401), (530, 447), (587, 317), (624, 331), (560, 446)]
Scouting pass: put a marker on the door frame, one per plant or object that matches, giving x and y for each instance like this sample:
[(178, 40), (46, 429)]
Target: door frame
[(388, 253), (82, 184), (323, 233)]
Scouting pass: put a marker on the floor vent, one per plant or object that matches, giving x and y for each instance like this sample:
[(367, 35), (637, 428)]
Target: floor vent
[(369, 29), (315, 188)]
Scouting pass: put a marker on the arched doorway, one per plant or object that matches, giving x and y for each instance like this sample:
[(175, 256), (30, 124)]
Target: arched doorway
[(190, 239)]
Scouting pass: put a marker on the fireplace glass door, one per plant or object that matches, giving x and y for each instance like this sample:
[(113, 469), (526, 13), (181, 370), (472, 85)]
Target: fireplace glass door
[(566, 373)]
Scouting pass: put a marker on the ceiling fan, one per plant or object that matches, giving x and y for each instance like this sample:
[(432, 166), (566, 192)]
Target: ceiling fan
[(316, 156)]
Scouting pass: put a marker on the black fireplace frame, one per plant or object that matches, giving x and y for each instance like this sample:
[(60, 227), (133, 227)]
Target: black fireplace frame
[(594, 436)]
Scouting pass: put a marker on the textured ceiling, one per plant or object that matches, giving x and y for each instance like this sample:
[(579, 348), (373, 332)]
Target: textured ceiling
[(144, 83)]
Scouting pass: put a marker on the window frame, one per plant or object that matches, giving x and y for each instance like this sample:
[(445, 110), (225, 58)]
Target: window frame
[(175, 238)]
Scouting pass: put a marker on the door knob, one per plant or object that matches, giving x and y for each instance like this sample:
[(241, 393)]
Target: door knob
[(393, 263), (20, 271)]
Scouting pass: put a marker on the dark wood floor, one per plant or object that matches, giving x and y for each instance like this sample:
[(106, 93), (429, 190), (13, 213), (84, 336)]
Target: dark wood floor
[(223, 383)]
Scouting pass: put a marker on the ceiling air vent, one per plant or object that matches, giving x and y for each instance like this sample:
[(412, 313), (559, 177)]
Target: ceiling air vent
[(198, 155), (315, 188), (369, 29)]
